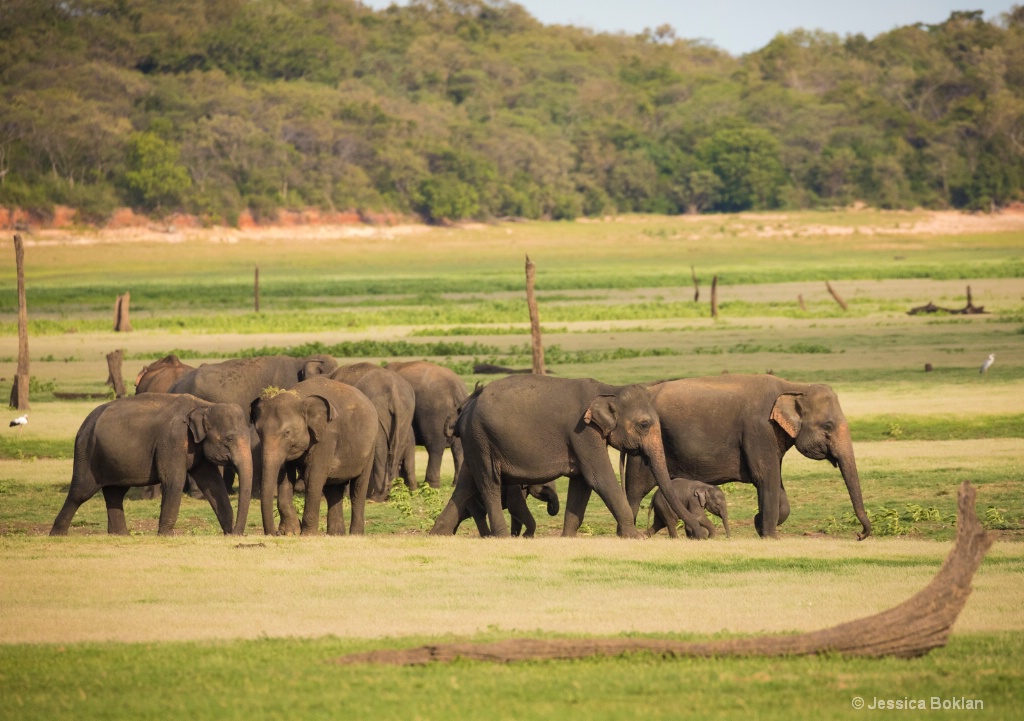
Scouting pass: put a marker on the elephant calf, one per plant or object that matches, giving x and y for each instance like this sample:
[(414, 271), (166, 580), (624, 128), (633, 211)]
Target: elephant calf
[(697, 497), (160, 438)]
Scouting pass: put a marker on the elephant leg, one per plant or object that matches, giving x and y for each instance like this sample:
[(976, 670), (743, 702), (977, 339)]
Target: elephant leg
[(408, 467), (664, 517), (210, 480), (639, 481), (435, 451), (380, 484), (81, 491), (767, 519), (114, 498), (575, 505), (357, 493), (783, 505), (286, 506), (520, 511), (315, 477), (706, 524), (170, 502), (597, 471), (457, 508), (458, 457), (335, 495), (476, 509)]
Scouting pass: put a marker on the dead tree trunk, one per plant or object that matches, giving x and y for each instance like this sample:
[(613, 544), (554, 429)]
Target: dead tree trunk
[(115, 379), (256, 290), (19, 391), (122, 318), (839, 300), (911, 629), (714, 297), (531, 303), (696, 285)]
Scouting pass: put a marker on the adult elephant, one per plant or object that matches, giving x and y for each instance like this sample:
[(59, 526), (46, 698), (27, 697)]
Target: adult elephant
[(328, 430), (160, 376), (738, 427), (439, 392), (526, 430), (160, 438), (395, 401)]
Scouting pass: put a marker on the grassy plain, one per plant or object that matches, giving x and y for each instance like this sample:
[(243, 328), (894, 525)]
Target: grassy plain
[(195, 624)]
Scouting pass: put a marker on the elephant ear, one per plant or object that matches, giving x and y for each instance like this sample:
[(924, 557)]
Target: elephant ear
[(197, 424), (602, 413), (702, 497), (786, 413), (319, 412)]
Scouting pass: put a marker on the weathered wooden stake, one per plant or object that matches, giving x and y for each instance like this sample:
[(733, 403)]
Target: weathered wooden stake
[(122, 318), (839, 300), (696, 284), (714, 297), (114, 375), (19, 391), (531, 303), (801, 299), (257, 289)]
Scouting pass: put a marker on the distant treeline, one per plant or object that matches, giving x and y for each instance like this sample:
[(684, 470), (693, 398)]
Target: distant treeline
[(473, 108)]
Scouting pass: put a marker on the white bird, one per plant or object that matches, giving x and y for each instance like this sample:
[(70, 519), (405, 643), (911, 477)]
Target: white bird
[(988, 363), (20, 421)]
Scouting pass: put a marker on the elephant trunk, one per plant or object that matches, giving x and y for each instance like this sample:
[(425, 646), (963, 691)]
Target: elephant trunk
[(725, 521), (242, 460), (272, 463), (654, 454), (848, 467)]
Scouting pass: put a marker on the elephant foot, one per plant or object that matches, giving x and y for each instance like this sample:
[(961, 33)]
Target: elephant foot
[(289, 527), (634, 533)]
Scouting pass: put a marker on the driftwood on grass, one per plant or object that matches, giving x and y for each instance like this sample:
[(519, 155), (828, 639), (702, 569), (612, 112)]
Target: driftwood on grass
[(836, 296), (911, 629), (491, 369), (969, 309)]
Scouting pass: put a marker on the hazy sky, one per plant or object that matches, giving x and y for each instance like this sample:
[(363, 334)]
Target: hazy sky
[(741, 26)]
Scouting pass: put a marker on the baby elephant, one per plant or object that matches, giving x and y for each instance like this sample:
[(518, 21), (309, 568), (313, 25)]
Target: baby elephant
[(160, 438), (696, 496)]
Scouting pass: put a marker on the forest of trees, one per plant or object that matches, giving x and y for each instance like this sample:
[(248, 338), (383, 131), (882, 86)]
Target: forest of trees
[(473, 109)]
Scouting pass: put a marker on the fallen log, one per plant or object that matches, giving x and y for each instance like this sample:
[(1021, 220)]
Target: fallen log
[(911, 629), (969, 309)]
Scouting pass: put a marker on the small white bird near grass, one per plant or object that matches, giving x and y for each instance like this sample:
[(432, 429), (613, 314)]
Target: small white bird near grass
[(20, 421), (988, 363)]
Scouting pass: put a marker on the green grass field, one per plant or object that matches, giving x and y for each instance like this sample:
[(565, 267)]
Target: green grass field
[(205, 626)]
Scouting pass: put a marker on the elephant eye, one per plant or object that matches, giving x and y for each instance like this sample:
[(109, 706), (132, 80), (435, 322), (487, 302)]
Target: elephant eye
[(828, 426), (643, 426)]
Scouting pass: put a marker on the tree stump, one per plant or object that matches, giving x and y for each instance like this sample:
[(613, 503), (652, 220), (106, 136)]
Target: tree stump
[(122, 319), (800, 299), (838, 298), (696, 284), (531, 303), (714, 297), (19, 391), (114, 377)]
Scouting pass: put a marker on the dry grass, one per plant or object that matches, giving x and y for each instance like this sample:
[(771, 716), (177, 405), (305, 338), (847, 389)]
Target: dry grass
[(146, 589)]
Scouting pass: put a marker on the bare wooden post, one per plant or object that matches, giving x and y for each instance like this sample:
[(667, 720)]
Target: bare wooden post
[(714, 297), (257, 289), (114, 376), (839, 300), (19, 391), (696, 284), (122, 319), (800, 298), (531, 303)]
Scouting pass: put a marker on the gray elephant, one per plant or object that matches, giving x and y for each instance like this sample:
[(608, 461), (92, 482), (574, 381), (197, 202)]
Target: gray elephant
[(698, 497), (395, 401), (160, 376), (328, 430), (522, 519), (738, 427), (160, 438), (439, 392), (524, 430)]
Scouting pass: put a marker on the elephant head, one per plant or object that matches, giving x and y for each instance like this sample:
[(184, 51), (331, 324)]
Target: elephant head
[(815, 424), (287, 425), (630, 424), (222, 430), (713, 499), (317, 365)]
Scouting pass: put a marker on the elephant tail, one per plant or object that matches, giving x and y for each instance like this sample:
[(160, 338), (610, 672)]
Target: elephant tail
[(392, 463)]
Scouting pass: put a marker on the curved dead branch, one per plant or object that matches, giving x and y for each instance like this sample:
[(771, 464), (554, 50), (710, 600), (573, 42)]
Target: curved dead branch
[(913, 628)]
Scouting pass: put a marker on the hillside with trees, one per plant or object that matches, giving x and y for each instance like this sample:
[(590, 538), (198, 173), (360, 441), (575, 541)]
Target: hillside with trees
[(474, 109)]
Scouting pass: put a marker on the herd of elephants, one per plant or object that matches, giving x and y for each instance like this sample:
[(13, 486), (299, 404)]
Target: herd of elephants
[(278, 423)]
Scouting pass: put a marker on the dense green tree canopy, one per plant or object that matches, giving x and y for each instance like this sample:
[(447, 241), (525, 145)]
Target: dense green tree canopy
[(472, 108)]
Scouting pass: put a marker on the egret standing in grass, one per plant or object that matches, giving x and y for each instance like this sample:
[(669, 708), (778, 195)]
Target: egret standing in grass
[(988, 363)]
